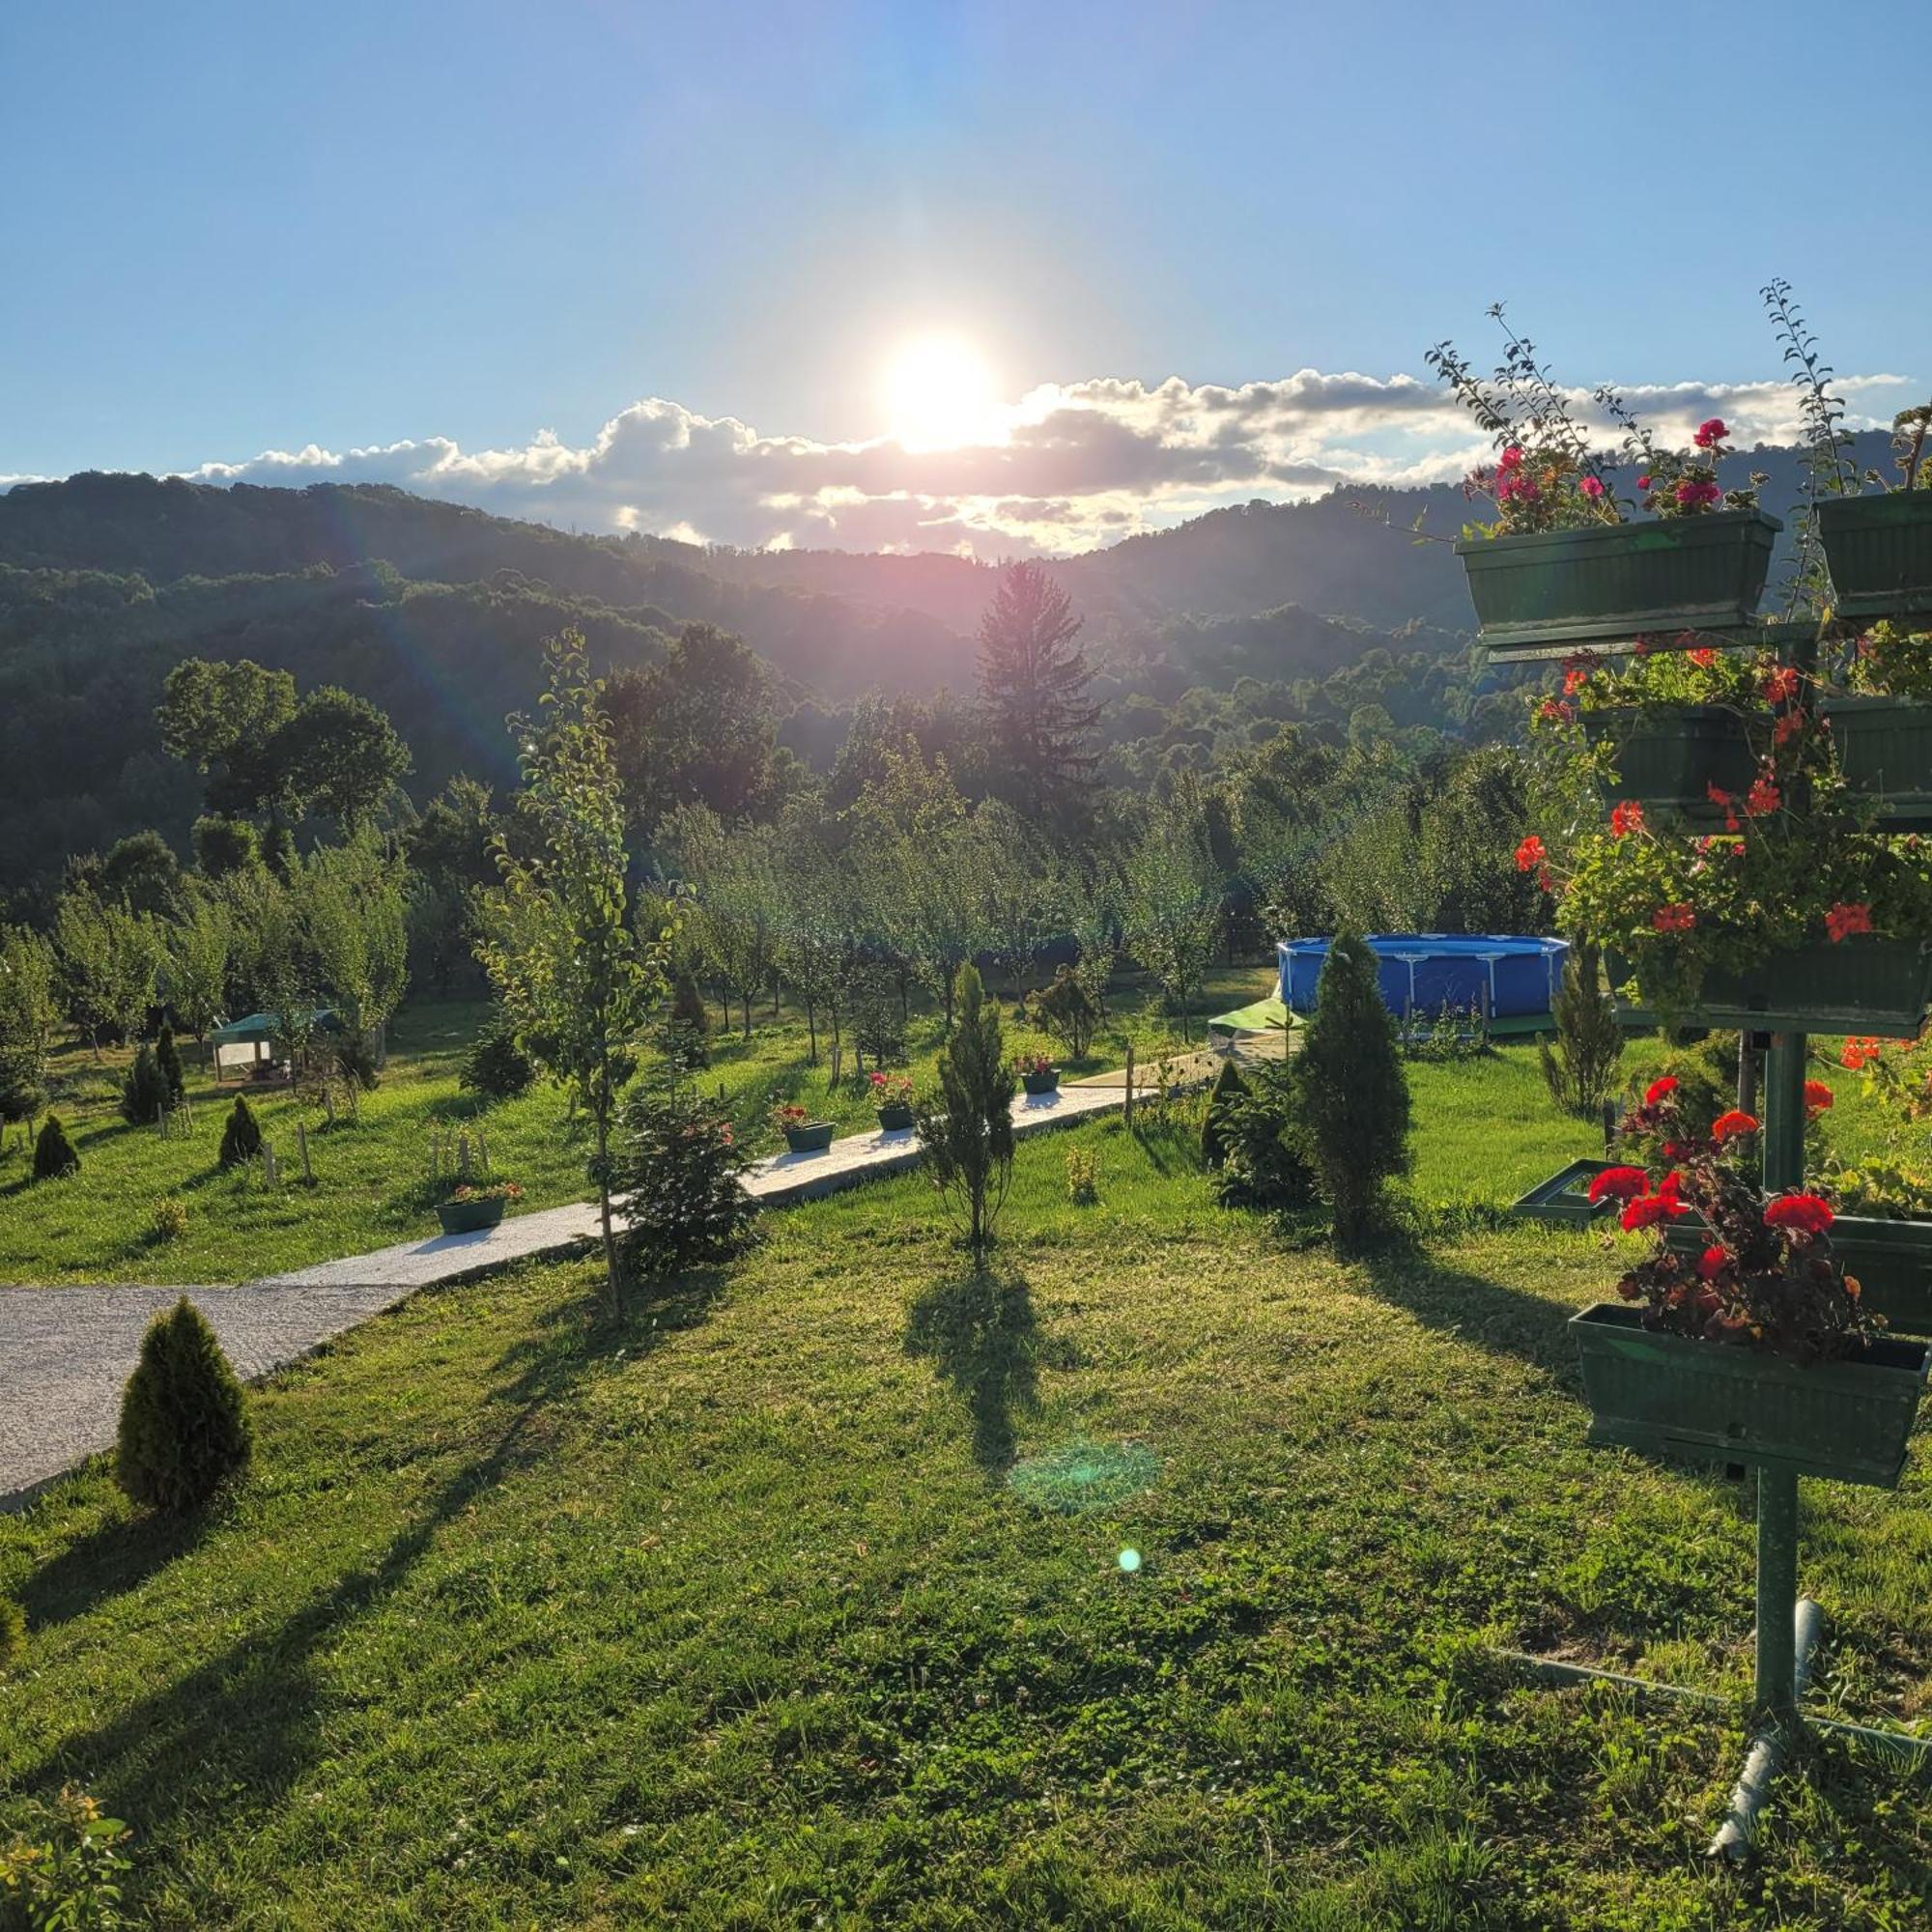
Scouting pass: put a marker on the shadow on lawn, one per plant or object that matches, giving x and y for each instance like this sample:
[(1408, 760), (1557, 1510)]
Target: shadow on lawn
[(240, 1728), (1505, 1321), (980, 1330)]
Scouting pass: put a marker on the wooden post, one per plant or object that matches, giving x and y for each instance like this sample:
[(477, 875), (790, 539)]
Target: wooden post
[(1131, 1086), (301, 1141), (269, 1177)]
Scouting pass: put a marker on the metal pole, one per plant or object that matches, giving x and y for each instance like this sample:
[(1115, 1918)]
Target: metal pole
[(1785, 1113), (1777, 1592)]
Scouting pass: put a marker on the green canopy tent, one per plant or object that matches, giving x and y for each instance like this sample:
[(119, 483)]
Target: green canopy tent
[(247, 1043)]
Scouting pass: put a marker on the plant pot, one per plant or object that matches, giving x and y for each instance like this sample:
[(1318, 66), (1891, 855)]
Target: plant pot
[(1890, 1261), (466, 1218), (1879, 551), (1614, 581), (895, 1120), (815, 1137), (1041, 1083), (1884, 752), (1564, 1198), (1856, 985), (1669, 759), (1714, 1402)]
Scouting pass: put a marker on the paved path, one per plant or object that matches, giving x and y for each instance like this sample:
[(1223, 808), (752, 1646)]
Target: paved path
[(67, 1352)]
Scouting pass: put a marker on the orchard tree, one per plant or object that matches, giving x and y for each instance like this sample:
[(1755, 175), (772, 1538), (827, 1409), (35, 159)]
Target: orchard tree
[(736, 910), (110, 959), (199, 945), (1032, 690), (577, 980), (355, 911), (1172, 902)]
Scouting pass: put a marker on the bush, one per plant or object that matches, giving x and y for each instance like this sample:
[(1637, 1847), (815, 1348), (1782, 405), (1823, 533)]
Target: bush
[(1264, 1162), (878, 1031), (242, 1136), (170, 1218), (496, 1066), (1082, 1176), (54, 1154), (184, 1429), (1228, 1087), (1580, 1069), (23, 1092), (1352, 1096), (12, 1632), (967, 1130), (167, 1057), (62, 1870), (678, 1159), (143, 1093), (1066, 1010)]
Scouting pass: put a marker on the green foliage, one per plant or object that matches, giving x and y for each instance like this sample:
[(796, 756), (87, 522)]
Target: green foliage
[(168, 1062), (185, 1432), (170, 1222), (23, 1090), (1082, 1176), (1353, 1094), (1228, 1087), (144, 1093), (1033, 686), (224, 845), (967, 1129), (1265, 1160), (1580, 1069), (241, 1135), (1066, 1010), (496, 1066), (62, 1870), (110, 959), (354, 908), (338, 757), (12, 1632), (1173, 892), (681, 1167), (54, 1155)]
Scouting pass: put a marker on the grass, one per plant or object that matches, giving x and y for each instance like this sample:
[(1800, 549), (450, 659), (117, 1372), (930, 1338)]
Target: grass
[(800, 1599)]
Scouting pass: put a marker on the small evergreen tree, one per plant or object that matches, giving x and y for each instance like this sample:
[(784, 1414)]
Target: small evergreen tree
[(22, 1090), (1352, 1094), (1068, 1009), (242, 1136), (680, 1167), (54, 1154), (967, 1131), (184, 1429), (1580, 1069), (144, 1093), (496, 1066), (1264, 1161), (167, 1057), (1228, 1087)]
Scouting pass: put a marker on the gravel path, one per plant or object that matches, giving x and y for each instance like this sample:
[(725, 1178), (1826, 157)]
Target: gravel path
[(65, 1353)]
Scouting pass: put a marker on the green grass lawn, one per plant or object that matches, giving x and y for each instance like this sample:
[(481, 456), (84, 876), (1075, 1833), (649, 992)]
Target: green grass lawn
[(800, 1599)]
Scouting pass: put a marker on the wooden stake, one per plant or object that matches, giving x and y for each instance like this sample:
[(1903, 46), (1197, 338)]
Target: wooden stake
[(301, 1141), (1131, 1086)]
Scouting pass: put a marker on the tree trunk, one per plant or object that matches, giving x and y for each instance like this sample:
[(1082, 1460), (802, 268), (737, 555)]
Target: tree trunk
[(748, 1013), (811, 1028), (613, 1279)]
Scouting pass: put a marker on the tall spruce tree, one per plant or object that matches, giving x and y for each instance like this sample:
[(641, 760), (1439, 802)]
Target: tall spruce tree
[(1355, 1097), (1032, 690), (1581, 1070)]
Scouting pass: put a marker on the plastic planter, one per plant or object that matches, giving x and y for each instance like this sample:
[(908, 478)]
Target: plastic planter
[(1884, 752), (814, 1137), (1714, 1402), (1669, 759), (1619, 579), (1041, 1083), (1564, 1198), (1879, 551), (895, 1120), (1856, 985), (466, 1218)]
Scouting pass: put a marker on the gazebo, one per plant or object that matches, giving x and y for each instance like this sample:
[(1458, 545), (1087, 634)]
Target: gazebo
[(250, 1042)]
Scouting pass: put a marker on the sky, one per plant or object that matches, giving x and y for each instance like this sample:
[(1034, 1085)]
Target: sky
[(993, 277)]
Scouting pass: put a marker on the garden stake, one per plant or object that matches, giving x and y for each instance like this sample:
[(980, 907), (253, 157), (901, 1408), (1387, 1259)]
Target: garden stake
[(301, 1141)]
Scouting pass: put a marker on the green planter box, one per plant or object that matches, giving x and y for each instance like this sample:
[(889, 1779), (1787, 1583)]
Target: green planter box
[(895, 1120), (1619, 579), (467, 1217), (1669, 759), (1879, 551), (1858, 986), (1885, 752), (1890, 1261), (1711, 1402), (815, 1137), (1037, 1084), (1564, 1198)]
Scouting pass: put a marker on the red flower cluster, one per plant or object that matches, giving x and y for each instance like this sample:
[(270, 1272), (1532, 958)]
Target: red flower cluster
[(1799, 1213), (1763, 797), (1818, 1099), (1704, 657), (1787, 725), (1659, 1089), (1626, 818), (1710, 1264), (1727, 1125), (1689, 493), (1710, 434), (1676, 918), (1574, 680), (1843, 920), (1619, 1183), (1591, 488), (1556, 711), (1727, 802), (1530, 854), (1646, 1211), (1781, 687), (1860, 1053)]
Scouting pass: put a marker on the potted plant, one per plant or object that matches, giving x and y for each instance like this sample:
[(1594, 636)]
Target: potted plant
[(1754, 1347), (1038, 1074), (1878, 545), (892, 1100), (1560, 561), (471, 1204), (803, 1134)]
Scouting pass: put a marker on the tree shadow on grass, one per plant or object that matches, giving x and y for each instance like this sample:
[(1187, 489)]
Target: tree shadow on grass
[(981, 1332), (107, 1562)]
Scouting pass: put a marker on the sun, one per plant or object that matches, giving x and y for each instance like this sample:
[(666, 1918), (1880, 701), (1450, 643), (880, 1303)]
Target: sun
[(939, 393)]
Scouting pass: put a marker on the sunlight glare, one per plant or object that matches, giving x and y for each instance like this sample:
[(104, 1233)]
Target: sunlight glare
[(939, 393)]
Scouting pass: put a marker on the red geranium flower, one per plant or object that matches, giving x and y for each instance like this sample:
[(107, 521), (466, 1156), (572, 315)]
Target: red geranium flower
[(1858, 1054), (1817, 1097), (1591, 488), (1619, 1183), (1659, 1088), (1762, 798), (1803, 1213), (1710, 434), (1530, 854), (1704, 657), (1650, 1208), (1675, 917), (1628, 817), (1710, 1263), (1736, 1121), (1842, 920), (1781, 687)]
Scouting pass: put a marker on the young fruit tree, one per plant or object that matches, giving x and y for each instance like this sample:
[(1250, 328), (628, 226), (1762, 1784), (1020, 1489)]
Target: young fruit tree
[(967, 1131), (575, 980), (1173, 896)]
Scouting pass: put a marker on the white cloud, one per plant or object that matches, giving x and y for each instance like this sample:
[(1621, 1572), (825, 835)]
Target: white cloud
[(1070, 465)]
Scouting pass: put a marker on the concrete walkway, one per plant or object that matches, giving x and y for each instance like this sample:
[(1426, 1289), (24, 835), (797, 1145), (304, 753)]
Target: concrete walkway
[(65, 1353)]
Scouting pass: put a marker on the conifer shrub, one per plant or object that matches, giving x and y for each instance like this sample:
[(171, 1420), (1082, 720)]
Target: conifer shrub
[(1228, 1087), (1352, 1094), (679, 1164), (241, 1135), (966, 1130), (54, 1154), (185, 1430), (1264, 1162), (1580, 1069), (496, 1066), (167, 1057), (12, 1632), (144, 1093)]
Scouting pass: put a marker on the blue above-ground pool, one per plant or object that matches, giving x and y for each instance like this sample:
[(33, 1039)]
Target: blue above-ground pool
[(1507, 976)]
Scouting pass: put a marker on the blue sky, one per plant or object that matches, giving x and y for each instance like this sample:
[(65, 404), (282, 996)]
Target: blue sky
[(244, 228)]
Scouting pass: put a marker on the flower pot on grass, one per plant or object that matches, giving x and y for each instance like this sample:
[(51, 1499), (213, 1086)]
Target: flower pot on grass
[(1884, 752), (1866, 985), (1879, 551), (810, 1136), (895, 1120), (1669, 759), (466, 1218), (1045, 1081), (1611, 581), (1716, 1402)]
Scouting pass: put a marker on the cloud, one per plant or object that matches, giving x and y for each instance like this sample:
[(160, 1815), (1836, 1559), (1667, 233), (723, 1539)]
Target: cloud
[(1071, 464)]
